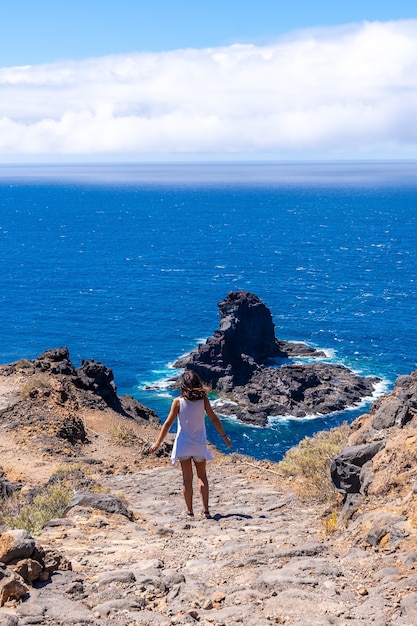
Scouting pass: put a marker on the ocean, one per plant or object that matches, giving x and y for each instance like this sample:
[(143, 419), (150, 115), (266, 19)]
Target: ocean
[(126, 264)]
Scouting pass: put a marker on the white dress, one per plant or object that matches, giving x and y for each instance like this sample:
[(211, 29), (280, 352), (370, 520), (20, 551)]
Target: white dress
[(191, 438)]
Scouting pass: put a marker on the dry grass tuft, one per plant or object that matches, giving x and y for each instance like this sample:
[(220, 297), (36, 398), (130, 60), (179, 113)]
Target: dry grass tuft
[(31, 511), (36, 383), (309, 464), (124, 435), (33, 514)]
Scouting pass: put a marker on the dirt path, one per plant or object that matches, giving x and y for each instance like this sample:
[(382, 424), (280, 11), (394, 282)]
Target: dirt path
[(261, 560)]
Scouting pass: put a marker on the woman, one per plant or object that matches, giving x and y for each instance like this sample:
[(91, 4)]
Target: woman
[(190, 445)]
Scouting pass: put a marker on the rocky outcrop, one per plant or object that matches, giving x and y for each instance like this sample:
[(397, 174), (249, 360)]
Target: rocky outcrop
[(54, 398), (252, 370), (297, 390), (376, 474), (52, 381)]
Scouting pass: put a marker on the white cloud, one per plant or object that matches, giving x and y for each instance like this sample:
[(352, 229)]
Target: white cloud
[(339, 91)]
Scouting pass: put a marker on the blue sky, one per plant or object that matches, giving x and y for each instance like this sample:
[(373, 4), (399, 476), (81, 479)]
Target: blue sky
[(47, 31), (132, 80)]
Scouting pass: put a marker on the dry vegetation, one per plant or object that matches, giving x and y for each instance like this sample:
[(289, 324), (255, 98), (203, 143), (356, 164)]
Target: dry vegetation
[(33, 384), (308, 464), (32, 509)]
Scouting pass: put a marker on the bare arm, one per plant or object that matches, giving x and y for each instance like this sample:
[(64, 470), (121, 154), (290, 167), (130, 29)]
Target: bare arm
[(175, 407), (216, 422)]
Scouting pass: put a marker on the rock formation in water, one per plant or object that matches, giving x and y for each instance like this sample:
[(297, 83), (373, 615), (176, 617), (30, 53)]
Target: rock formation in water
[(237, 362)]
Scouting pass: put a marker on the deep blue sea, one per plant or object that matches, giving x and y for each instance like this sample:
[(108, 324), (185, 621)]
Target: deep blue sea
[(126, 264)]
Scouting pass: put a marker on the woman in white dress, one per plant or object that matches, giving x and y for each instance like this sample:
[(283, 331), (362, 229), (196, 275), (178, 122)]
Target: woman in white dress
[(190, 445)]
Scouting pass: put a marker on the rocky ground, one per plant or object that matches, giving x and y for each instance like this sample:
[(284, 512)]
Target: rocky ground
[(264, 558)]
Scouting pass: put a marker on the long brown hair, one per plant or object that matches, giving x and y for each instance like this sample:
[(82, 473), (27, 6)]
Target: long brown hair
[(191, 386)]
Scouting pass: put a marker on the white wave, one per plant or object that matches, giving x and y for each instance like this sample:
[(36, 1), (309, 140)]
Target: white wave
[(160, 380), (309, 417), (281, 419), (233, 419), (160, 393), (158, 385), (380, 388), (170, 365)]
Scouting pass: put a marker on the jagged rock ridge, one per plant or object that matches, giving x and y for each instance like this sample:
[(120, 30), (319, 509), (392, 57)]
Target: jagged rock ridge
[(236, 362), (54, 393)]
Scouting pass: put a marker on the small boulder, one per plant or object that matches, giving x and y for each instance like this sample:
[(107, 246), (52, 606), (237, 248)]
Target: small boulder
[(12, 586), (16, 544), (346, 468)]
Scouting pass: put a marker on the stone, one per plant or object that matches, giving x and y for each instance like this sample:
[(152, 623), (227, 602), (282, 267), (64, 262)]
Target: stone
[(7, 619), (101, 501), (12, 586), (115, 606), (53, 561), (409, 607), (382, 527), (119, 576), (389, 414), (307, 549), (28, 569), (16, 544), (346, 468)]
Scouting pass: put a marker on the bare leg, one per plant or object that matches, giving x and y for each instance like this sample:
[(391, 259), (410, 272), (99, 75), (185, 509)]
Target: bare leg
[(203, 485), (187, 484)]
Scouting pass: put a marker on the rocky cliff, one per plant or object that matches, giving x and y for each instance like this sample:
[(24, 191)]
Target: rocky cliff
[(377, 473), (252, 371), (54, 393)]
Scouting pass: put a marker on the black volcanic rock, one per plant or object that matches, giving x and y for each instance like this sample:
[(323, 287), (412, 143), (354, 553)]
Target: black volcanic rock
[(246, 339), (298, 390), (346, 468), (52, 375), (99, 379), (55, 361), (237, 362)]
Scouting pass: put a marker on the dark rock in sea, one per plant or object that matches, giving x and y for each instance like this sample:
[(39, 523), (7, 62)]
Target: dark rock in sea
[(237, 362), (245, 340), (298, 390)]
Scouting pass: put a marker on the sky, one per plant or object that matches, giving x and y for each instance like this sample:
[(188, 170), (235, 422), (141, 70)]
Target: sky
[(99, 80)]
